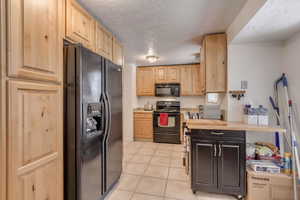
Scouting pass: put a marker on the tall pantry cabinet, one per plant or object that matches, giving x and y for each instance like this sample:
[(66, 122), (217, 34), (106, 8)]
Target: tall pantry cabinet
[(213, 60), (32, 80)]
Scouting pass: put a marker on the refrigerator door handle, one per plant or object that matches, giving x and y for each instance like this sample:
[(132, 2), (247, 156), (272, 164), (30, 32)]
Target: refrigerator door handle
[(104, 115), (109, 115)]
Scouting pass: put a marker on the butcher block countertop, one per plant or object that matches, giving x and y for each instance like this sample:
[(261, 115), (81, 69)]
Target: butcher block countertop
[(224, 125), (141, 110)]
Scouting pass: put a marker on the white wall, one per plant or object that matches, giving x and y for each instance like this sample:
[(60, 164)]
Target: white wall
[(291, 66), (129, 101), (260, 65)]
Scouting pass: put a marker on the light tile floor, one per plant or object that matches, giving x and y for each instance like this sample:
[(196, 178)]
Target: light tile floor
[(153, 171)]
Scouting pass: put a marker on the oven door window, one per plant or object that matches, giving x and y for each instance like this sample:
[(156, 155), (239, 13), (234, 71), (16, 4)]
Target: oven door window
[(164, 91), (171, 122)]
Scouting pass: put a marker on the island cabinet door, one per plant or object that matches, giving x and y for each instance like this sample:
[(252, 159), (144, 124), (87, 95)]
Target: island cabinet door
[(204, 165), (231, 167)]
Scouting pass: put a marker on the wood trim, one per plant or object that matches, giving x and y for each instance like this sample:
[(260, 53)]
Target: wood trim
[(32, 166), (3, 100)]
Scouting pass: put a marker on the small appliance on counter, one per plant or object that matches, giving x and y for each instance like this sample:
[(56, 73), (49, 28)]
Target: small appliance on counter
[(212, 112), (166, 122), (148, 106), (193, 115)]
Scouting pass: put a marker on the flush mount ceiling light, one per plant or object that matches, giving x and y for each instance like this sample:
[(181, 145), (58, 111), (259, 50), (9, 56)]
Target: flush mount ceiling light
[(152, 59)]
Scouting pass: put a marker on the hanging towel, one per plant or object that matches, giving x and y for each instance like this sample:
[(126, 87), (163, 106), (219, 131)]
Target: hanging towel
[(163, 119)]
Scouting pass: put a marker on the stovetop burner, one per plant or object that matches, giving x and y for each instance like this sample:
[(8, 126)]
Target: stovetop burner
[(167, 110), (168, 106)]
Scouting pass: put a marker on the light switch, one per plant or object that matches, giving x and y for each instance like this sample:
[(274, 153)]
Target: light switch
[(244, 85)]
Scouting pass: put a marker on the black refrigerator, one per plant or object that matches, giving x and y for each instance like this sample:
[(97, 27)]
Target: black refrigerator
[(93, 124)]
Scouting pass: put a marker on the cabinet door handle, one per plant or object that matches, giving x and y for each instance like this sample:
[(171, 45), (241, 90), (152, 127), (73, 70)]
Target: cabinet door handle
[(216, 133), (215, 150), (220, 150)]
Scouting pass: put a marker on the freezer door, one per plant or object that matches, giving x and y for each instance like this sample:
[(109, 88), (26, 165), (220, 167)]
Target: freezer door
[(92, 126), (114, 146), (91, 172), (92, 74)]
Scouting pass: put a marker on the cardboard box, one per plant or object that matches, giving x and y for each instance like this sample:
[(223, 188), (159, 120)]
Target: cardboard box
[(263, 120), (251, 119), (266, 186)]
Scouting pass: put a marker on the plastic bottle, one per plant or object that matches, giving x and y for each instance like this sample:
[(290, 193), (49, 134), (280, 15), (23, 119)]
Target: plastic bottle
[(287, 167)]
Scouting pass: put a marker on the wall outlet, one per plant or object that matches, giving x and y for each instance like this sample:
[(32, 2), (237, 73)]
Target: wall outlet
[(244, 85)]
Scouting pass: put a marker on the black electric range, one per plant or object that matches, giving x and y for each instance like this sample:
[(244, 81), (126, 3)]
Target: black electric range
[(167, 132)]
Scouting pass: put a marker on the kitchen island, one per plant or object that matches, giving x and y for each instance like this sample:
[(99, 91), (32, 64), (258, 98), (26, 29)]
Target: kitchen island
[(218, 155)]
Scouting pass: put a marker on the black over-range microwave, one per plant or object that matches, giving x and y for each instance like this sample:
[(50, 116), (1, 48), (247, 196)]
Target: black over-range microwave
[(167, 90)]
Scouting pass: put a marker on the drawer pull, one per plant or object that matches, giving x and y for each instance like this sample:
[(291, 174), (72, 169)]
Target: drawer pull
[(216, 133), (261, 179), (215, 150)]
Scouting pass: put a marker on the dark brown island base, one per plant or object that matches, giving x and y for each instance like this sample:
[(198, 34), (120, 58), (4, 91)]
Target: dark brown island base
[(218, 156)]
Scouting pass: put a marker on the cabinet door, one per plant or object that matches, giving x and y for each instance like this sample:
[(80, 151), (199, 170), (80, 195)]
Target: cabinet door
[(145, 81), (35, 141), (202, 67), (161, 75), (41, 183), (258, 188), (143, 128), (186, 86), (196, 77), (173, 75), (80, 25), (108, 44), (35, 39), (204, 165), (216, 63), (231, 167), (117, 52), (99, 39)]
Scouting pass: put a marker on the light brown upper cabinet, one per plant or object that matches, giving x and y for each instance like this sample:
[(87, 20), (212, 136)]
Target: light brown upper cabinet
[(167, 74), (196, 79), (80, 25), (202, 68), (215, 62), (83, 28), (35, 39), (186, 84), (35, 141), (99, 39), (117, 52), (190, 80), (104, 42), (160, 74), (108, 44), (145, 81), (173, 74)]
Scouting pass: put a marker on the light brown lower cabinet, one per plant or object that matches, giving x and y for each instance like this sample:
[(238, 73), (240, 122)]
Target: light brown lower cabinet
[(35, 141), (266, 186), (143, 128)]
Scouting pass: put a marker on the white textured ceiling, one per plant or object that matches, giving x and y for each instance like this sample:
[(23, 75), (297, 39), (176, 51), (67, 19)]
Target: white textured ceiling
[(171, 28), (276, 21)]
